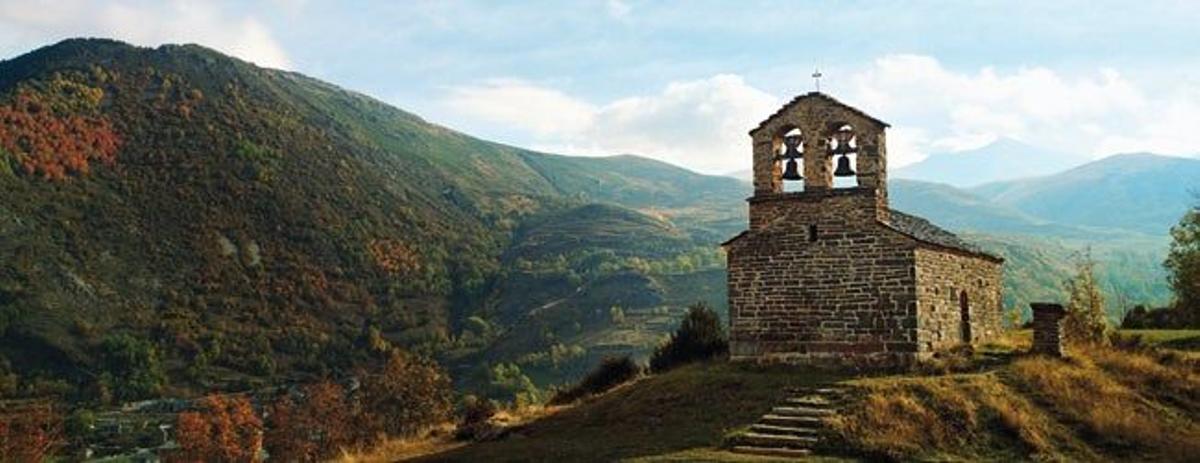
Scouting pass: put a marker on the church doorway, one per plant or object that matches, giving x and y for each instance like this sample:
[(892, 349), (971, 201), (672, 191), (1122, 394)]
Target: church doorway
[(964, 306)]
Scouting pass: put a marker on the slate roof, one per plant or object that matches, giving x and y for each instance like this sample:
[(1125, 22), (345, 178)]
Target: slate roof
[(817, 95), (921, 230), (925, 231)]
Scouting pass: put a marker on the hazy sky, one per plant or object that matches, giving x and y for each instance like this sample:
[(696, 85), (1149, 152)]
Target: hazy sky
[(684, 81)]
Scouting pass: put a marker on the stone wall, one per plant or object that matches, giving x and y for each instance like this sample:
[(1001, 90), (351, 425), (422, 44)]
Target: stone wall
[(945, 281), (818, 116), (1047, 328), (818, 279), (839, 207)]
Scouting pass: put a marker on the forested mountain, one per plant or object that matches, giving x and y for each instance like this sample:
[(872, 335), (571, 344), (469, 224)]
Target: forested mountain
[(254, 223), (246, 225)]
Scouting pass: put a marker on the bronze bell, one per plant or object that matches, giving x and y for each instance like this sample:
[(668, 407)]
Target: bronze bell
[(792, 172), (843, 167)]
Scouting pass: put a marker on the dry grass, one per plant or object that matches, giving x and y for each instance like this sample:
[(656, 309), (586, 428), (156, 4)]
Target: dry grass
[(400, 449), (1114, 407), (972, 416), (1166, 377), (440, 439), (1101, 405)]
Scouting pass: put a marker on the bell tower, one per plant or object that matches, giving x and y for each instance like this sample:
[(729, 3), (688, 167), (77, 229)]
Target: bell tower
[(827, 272), (813, 140)]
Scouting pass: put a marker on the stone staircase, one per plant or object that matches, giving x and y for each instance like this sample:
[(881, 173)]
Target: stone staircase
[(793, 427)]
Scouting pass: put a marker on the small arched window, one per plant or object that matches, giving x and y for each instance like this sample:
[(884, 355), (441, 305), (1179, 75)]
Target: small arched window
[(789, 150), (843, 145)]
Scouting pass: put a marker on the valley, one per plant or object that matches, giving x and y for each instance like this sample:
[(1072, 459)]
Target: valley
[(233, 228), (202, 237)]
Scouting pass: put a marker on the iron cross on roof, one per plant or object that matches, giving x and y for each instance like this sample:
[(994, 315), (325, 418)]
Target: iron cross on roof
[(816, 75)]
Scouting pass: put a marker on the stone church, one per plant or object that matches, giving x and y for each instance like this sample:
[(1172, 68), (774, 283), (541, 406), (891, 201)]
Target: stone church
[(829, 273)]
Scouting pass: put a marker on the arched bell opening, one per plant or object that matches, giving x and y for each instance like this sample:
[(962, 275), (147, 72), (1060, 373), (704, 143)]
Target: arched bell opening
[(788, 147), (843, 147)]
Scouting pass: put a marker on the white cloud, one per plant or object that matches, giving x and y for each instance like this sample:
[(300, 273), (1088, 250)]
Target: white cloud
[(31, 23), (545, 112), (1098, 113), (701, 124)]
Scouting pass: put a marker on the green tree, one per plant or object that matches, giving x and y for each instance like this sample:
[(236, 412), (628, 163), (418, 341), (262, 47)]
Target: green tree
[(132, 367), (1183, 266), (699, 337), (1085, 321), (507, 382)]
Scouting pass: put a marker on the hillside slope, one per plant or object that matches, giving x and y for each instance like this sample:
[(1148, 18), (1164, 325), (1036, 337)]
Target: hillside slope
[(1099, 405), (266, 222), (1142, 192)]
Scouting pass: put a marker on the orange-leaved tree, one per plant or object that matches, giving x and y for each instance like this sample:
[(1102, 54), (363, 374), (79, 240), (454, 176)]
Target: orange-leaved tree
[(30, 432), (51, 144), (312, 427), (221, 429), (409, 394)]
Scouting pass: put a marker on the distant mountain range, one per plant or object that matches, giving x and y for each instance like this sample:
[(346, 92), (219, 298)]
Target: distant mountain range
[(1142, 192), (1003, 159), (277, 226), (1120, 207)]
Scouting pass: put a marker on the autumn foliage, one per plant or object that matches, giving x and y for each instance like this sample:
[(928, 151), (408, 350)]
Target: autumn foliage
[(222, 429), (407, 395), (53, 144), (311, 427), (30, 433), (394, 256)]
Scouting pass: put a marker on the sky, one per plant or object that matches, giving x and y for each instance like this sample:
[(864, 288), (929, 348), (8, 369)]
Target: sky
[(683, 82)]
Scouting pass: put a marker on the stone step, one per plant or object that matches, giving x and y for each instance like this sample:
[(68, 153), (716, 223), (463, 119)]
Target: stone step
[(789, 420), (774, 440), (771, 451), (826, 390), (814, 401), (797, 410), (800, 430)]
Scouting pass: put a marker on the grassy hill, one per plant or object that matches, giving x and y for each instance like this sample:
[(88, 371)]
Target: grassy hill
[(1098, 405)]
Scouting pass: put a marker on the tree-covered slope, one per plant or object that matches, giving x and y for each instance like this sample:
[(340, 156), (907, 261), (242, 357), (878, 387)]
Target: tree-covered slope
[(1040, 251), (257, 222)]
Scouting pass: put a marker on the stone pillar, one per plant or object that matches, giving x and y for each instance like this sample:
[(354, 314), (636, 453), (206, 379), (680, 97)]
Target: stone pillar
[(818, 163), (767, 176), (1047, 328)]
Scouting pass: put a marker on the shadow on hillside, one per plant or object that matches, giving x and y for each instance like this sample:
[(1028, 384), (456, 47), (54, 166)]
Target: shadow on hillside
[(692, 407)]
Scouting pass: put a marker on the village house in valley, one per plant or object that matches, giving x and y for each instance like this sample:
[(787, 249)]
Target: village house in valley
[(830, 273)]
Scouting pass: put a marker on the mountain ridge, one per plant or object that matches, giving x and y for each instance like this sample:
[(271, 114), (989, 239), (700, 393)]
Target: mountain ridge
[(259, 225), (1003, 159)]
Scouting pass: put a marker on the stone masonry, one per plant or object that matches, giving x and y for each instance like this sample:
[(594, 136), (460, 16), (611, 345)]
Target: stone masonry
[(832, 274), (1047, 328)]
